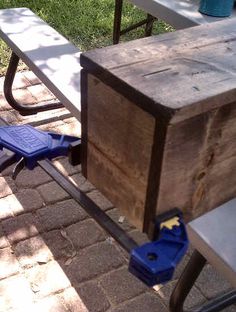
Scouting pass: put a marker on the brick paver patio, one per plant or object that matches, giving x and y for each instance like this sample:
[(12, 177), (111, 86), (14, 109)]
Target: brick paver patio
[(53, 257)]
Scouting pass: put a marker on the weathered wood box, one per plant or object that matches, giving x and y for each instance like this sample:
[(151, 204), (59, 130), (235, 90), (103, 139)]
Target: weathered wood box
[(159, 122)]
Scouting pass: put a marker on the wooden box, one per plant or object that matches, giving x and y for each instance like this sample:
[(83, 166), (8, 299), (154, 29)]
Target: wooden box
[(159, 122)]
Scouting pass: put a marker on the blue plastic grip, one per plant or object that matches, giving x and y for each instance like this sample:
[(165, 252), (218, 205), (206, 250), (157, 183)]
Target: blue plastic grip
[(33, 144), (155, 262)]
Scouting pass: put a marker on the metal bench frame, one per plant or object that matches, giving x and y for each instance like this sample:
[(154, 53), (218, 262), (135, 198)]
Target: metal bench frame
[(117, 32), (185, 284), (23, 109)]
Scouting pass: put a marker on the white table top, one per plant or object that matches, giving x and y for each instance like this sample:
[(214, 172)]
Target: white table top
[(178, 13), (214, 236)]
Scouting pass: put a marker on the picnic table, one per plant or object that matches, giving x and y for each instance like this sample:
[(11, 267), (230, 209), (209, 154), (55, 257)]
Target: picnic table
[(177, 13)]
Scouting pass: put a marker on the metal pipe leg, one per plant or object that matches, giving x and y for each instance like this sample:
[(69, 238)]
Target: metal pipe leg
[(149, 25), (186, 282), (117, 32), (7, 88), (117, 21), (219, 303)]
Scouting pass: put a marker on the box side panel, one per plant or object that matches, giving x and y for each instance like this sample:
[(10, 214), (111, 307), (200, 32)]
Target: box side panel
[(119, 146), (199, 171)]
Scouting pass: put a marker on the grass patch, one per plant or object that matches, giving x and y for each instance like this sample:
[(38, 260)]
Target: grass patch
[(86, 23)]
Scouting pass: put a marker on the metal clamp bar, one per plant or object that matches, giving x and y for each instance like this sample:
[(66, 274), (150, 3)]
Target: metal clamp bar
[(7, 88), (89, 206)]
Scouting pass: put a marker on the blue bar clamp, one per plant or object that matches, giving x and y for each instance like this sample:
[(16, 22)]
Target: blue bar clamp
[(155, 262), (26, 145)]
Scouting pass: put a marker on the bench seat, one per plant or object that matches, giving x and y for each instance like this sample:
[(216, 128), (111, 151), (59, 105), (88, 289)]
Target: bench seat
[(213, 237), (53, 59)]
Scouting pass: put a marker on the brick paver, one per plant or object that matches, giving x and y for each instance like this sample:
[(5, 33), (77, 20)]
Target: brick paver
[(4, 106), (80, 181), (138, 237), (145, 302), (10, 116), (26, 178), (194, 298), (61, 214), (120, 285), (3, 240), (8, 263), (213, 286), (100, 200), (70, 126), (6, 209), (32, 251), (24, 96), (65, 167), (21, 227), (49, 304), (7, 187), (20, 81), (30, 76), (40, 93), (93, 297), (117, 216), (58, 243), (25, 200), (53, 257), (85, 233), (73, 301), (52, 192), (47, 279), (94, 261), (15, 292)]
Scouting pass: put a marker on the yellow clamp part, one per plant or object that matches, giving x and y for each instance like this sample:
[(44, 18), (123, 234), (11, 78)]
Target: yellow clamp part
[(169, 224)]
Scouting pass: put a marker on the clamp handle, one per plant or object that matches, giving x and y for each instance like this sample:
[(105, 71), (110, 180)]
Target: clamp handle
[(26, 145), (155, 262)]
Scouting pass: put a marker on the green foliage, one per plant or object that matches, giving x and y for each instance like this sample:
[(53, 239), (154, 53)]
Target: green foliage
[(86, 23)]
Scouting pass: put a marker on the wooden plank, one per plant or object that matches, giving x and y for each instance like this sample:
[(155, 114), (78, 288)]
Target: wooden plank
[(213, 235), (198, 165), (118, 153), (47, 53), (200, 57)]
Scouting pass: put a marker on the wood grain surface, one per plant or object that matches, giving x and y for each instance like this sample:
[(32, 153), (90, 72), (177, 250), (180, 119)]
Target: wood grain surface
[(160, 122)]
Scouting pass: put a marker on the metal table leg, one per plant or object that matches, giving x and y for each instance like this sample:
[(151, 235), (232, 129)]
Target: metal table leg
[(117, 32), (117, 21), (22, 108), (185, 284), (149, 25)]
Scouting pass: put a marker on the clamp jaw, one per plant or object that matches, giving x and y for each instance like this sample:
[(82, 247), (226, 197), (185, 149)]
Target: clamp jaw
[(25, 145), (155, 262)]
